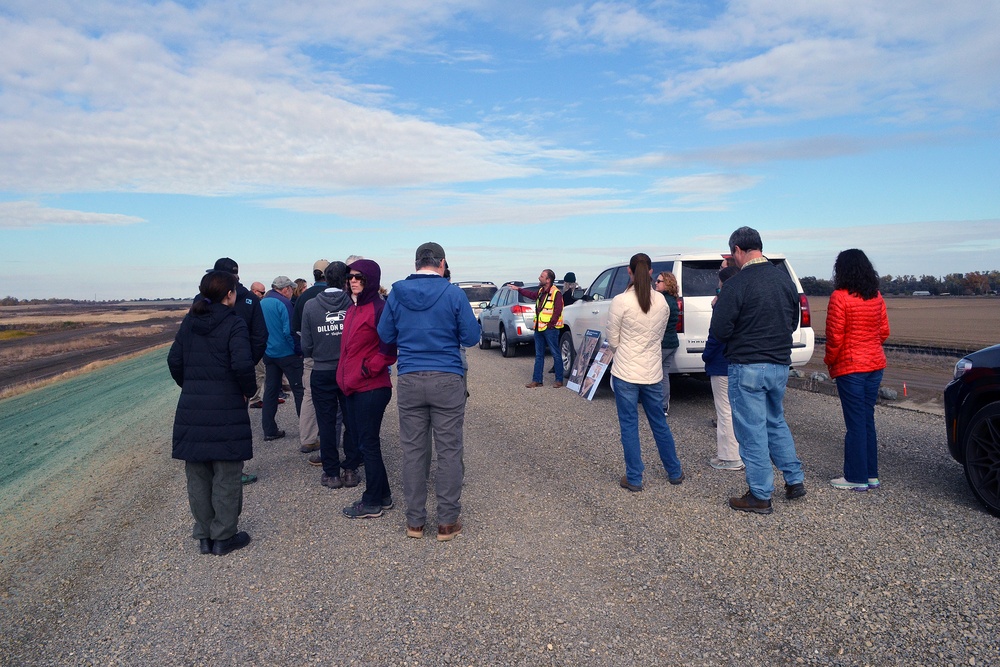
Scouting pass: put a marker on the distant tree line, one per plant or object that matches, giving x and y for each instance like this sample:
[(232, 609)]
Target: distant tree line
[(962, 284), (14, 301)]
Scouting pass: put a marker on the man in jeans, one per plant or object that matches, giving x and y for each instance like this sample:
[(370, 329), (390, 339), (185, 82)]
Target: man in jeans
[(548, 324), (430, 320), (755, 316)]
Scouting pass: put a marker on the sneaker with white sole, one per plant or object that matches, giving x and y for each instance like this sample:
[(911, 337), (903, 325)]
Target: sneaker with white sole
[(873, 483), (723, 464), (844, 485)]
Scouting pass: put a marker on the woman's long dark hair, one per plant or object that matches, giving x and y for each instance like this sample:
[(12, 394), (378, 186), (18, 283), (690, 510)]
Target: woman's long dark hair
[(854, 272), (641, 280), (215, 285)]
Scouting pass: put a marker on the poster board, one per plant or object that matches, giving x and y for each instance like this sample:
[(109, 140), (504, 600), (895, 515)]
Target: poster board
[(583, 358), (597, 369)]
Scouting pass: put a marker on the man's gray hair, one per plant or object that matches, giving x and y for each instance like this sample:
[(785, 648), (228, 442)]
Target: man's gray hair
[(746, 239)]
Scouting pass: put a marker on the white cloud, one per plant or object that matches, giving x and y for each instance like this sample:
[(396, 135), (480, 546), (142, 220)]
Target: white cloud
[(28, 215), (697, 188)]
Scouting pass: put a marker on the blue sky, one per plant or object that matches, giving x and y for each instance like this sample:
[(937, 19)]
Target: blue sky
[(141, 141)]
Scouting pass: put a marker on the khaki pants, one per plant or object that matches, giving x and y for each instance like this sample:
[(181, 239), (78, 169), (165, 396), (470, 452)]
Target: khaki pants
[(308, 428)]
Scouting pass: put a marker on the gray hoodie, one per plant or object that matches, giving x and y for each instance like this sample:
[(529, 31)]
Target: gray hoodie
[(322, 327)]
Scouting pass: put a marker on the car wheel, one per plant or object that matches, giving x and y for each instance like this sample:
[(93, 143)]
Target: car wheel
[(982, 456), (506, 348), (567, 352), (484, 342)]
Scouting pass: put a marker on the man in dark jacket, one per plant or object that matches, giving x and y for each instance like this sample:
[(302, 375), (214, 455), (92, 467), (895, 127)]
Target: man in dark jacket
[(247, 306), (755, 316), (322, 328)]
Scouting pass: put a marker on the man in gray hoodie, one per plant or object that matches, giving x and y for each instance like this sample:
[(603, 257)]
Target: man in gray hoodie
[(322, 328)]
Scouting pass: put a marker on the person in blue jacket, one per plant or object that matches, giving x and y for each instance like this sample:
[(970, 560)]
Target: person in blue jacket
[(211, 361), (430, 320)]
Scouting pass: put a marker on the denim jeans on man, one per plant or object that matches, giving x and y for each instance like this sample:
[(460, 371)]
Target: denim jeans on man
[(363, 412), (858, 395), (329, 403), (548, 338), (756, 394), (290, 367), (628, 397)]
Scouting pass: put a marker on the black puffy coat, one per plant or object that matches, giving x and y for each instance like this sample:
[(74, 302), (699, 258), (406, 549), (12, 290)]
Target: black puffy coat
[(211, 362)]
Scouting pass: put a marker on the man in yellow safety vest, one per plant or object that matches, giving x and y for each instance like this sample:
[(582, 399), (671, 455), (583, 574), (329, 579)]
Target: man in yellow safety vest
[(548, 323)]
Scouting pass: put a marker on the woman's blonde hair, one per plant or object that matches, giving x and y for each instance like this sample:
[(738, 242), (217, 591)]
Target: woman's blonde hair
[(670, 282)]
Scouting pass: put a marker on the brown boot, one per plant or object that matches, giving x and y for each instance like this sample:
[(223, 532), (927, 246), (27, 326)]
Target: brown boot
[(748, 502)]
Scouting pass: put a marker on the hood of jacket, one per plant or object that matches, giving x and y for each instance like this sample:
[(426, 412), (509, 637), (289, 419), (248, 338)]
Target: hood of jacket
[(334, 301), (420, 291), (206, 323), (373, 279)]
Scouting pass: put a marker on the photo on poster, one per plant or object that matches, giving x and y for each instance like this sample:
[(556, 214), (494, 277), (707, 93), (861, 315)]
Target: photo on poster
[(605, 355), (583, 357)]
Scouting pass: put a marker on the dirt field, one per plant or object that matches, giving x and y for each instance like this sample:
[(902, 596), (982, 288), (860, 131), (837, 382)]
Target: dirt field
[(40, 343)]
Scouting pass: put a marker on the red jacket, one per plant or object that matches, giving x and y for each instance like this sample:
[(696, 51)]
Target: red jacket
[(855, 331), (364, 359)]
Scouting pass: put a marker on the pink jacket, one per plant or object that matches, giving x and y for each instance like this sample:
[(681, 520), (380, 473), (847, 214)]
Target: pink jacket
[(855, 331)]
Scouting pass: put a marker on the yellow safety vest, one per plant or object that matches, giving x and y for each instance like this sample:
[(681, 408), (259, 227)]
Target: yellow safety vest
[(544, 307)]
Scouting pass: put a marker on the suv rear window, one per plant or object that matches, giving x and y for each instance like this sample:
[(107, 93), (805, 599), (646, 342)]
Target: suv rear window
[(700, 278), (477, 294)]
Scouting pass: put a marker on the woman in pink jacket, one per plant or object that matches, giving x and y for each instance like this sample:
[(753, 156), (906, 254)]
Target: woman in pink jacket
[(363, 376), (856, 327)]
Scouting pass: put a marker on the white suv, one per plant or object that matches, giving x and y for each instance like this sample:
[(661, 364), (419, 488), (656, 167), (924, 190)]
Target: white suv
[(697, 277)]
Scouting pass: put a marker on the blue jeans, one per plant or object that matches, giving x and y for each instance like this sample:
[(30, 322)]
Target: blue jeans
[(628, 396), (550, 338), (756, 394), (858, 393), (364, 412), (329, 402), (274, 368)]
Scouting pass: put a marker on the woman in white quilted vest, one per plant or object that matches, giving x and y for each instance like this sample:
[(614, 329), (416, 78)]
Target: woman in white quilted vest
[(635, 331)]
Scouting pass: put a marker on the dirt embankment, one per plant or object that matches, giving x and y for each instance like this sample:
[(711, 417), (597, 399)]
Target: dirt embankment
[(40, 343)]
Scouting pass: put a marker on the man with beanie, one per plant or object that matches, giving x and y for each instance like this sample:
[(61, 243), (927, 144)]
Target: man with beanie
[(308, 428), (322, 331), (429, 319)]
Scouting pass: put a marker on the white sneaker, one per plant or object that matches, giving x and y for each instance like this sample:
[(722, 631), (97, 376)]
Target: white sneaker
[(723, 464), (873, 483), (843, 484)]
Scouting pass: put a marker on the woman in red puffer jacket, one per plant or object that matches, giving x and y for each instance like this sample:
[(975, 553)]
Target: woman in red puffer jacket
[(856, 327)]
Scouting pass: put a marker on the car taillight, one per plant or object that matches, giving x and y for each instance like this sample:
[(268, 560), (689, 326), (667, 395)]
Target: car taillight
[(680, 314), (806, 317), (521, 310)]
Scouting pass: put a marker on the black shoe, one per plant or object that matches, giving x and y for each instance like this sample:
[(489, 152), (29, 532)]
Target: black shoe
[(237, 541), (748, 502), (205, 545), (277, 436), (350, 477), (676, 480), (793, 491)]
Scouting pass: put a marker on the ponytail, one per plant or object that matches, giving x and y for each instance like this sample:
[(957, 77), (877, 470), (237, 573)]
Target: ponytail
[(215, 285), (640, 264)]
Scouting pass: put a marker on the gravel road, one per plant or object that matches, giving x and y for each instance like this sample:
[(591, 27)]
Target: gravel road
[(557, 564)]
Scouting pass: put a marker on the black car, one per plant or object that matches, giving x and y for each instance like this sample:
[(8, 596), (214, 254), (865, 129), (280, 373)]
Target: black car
[(972, 420)]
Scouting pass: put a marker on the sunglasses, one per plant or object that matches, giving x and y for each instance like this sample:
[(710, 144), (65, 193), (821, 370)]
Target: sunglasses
[(356, 276)]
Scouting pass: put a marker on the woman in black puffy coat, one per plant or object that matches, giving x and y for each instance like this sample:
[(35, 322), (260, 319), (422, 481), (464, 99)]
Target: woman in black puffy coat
[(210, 360)]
